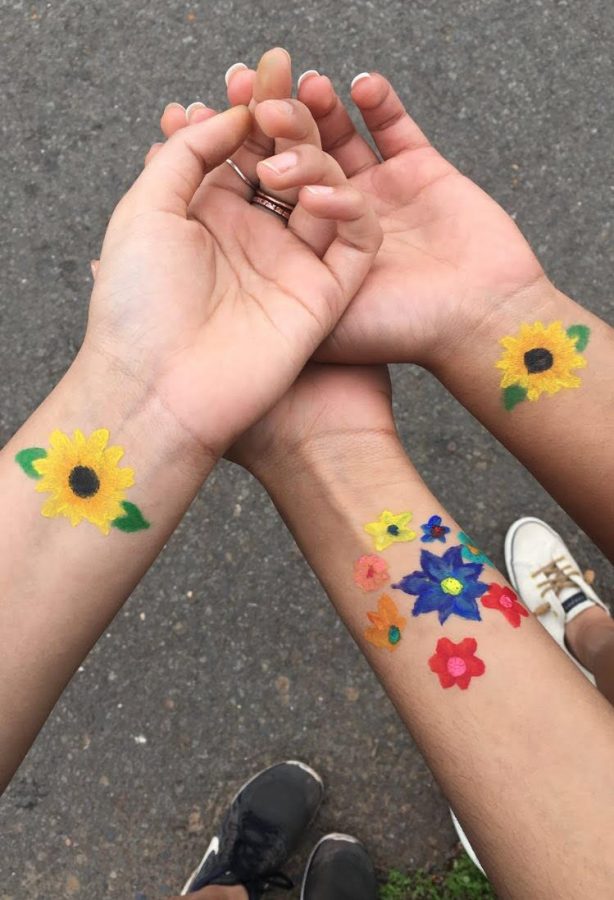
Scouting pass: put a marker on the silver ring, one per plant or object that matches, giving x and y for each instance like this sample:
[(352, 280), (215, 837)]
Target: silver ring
[(281, 209), (241, 174)]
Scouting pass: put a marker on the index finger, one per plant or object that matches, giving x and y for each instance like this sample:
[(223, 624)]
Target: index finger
[(174, 175)]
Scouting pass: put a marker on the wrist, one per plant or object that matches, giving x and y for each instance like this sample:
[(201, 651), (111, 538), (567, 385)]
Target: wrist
[(97, 392), (339, 465), (470, 350)]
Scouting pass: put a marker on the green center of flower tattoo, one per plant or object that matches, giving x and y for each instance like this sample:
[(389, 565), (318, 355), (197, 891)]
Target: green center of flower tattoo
[(451, 586), (394, 634), (393, 529)]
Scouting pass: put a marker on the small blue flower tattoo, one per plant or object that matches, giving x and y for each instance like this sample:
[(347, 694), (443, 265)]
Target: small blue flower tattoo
[(434, 530)]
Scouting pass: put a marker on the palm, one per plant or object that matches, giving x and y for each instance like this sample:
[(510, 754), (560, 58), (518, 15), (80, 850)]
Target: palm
[(448, 248), (228, 291), (325, 401)]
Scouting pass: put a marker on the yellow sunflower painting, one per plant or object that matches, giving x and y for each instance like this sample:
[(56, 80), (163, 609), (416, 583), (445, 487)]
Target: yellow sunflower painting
[(84, 480), (541, 359)]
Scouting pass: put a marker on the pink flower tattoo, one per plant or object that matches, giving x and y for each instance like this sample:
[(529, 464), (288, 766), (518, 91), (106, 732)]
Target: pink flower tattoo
[(371, 572)]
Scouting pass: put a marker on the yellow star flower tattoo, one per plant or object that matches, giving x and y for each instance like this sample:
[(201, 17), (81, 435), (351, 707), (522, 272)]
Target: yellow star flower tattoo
[(389, 529)]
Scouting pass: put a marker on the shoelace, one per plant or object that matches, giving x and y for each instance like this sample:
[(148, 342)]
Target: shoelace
[(557, 576)]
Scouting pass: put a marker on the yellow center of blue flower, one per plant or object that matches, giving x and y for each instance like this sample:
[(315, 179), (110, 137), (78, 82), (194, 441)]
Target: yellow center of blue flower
[(451, 585)]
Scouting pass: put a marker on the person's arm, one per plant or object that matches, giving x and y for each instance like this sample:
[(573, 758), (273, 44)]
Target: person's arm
[(489, 700), (59, 585), (547, 393), (204, 311), (454, 277)]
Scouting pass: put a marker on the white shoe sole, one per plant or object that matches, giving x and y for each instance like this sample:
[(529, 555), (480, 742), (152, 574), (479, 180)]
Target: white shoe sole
[(465, 843), (287, 762)]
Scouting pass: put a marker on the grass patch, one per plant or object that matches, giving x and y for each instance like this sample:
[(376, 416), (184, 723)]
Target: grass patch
[(461, 881)]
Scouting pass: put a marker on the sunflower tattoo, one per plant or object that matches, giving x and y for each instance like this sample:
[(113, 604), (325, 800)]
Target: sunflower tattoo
[(84, 480), (541, 360)]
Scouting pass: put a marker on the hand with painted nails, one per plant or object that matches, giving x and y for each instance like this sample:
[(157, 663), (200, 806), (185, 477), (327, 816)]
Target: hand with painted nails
[(210, 302), (450, 253)]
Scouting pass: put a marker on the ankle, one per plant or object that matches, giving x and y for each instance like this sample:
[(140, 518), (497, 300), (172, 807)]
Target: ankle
[(588, 633)]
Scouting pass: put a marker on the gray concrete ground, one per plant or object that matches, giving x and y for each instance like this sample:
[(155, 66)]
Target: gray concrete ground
[(227, 657)]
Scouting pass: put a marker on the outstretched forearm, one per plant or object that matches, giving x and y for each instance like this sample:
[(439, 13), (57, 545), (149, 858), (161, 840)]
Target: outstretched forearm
[(547, 393), (477, 680), (61, 585)]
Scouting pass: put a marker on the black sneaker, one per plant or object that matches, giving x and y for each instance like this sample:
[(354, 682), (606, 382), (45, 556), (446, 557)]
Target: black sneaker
[(339, 868), (263, 825)]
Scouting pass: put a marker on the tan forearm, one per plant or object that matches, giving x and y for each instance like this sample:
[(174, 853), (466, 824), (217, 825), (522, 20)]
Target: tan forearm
[(507, 712), (565, 438)]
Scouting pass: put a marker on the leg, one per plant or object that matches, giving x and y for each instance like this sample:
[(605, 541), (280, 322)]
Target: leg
[(591, 638), (551, 584)]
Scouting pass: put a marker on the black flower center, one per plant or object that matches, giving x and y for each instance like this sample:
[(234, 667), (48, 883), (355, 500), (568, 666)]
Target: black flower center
[(538, 360), (83, 481), (393, 529)]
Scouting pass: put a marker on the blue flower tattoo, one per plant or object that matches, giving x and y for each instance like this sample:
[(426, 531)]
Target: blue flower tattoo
[(434, 531), (445, 585)]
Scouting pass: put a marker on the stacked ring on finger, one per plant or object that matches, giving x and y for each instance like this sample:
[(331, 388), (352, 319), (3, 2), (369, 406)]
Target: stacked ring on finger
[(273, 204), (241, 174), (266, 201)]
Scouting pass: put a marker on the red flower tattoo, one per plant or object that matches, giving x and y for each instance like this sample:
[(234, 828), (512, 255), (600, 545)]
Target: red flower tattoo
[(503, 598), (456, 663)]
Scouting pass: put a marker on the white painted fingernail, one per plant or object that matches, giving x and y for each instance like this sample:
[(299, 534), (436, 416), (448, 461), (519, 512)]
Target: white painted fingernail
[(359, 77), (230, 72), (305, 75), (196, 105)]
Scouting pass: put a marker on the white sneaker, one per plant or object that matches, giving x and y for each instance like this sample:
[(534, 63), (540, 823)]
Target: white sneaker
[(548, 579)]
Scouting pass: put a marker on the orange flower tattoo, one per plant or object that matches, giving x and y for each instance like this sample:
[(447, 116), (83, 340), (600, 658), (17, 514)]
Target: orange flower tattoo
[(388, 624)]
